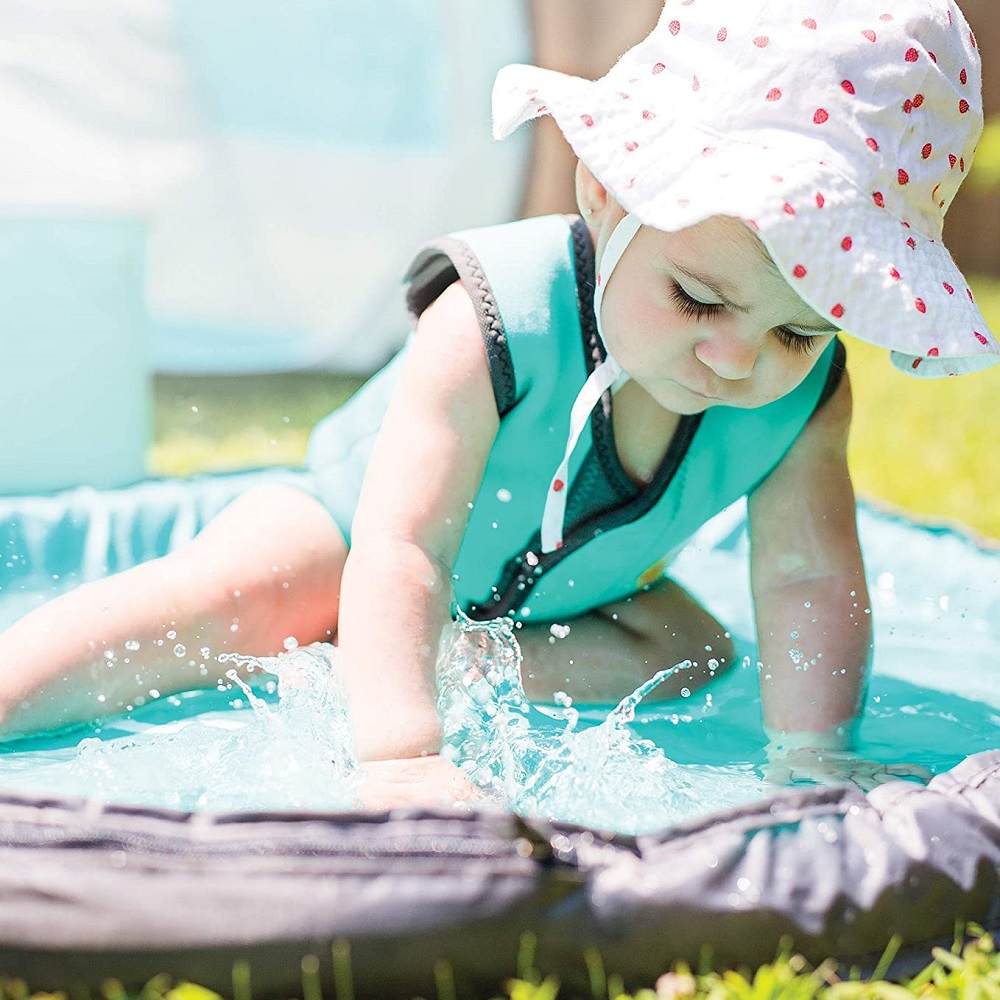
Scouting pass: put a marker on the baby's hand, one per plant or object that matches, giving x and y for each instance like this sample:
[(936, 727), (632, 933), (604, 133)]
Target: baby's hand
[(832, 767), (430, 781)]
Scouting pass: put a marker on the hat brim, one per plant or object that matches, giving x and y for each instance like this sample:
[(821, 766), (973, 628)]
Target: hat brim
[(846, 256)]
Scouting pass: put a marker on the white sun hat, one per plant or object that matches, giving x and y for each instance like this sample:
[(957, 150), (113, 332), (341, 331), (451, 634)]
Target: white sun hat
[(838, 130)]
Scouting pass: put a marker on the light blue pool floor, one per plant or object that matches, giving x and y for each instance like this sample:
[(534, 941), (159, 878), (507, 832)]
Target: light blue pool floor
[(934, 698)]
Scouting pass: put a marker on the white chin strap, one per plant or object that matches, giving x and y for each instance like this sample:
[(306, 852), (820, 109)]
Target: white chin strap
[(600, 380)]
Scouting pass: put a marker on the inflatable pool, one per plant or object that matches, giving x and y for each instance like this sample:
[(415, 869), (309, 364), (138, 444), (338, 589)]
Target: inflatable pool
[(102, 878)]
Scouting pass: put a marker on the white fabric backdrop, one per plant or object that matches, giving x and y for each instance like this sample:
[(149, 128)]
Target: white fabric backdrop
[(288, 154)]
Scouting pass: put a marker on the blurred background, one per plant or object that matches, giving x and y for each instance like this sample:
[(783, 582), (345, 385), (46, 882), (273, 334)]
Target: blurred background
[(206, 207)]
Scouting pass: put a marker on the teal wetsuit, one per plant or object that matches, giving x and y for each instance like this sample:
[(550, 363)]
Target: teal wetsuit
[(532, 285)]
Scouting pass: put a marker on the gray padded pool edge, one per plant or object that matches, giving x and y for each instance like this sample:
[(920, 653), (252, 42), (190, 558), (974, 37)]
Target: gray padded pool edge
[(90, 890)]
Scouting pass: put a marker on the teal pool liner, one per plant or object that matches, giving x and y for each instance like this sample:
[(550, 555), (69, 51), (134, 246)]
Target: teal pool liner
[(95, 889)]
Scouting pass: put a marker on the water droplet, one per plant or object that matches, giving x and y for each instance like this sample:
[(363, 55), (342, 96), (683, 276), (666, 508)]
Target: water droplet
[(132, 644), (153, 693), (808, 604), (205, 652), (194, 409), (559, 631), (503, 495), (180, 650), (291, 643), (685, 692), (171, 634)]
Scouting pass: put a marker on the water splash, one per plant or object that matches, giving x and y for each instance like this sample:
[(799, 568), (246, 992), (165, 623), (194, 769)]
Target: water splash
[(600, 775), (296, 752)]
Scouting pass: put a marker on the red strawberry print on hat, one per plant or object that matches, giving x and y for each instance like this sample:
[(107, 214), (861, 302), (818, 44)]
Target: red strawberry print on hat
[(837, 312), (587, 120), (658, 68), (879, 199), (809, 23), (902, 176), (762, 41), (950, 289), (820, 200), (870, 35), (695, 83), (963, 77), (848, 87), (933, 352), (631, 146), (952, 160), (894, 274), (788, 209), (921, 308), (911, 243), (926, 151), (674, 27), (907, 106), (871, 144), (774, 94), (980, 337), (846, 243), (963, 106), (911, 55), (557, 484), (799, 271), (918, 100), (821, 117), (722, 35)]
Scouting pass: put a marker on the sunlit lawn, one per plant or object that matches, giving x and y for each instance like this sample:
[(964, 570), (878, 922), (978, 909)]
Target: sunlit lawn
[(925, 445)]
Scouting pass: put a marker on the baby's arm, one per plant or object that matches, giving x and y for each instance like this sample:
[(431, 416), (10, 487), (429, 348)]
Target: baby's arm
[(810, 597), (423, 476)]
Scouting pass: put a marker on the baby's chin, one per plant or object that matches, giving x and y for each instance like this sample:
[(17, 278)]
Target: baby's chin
[(677, 398)]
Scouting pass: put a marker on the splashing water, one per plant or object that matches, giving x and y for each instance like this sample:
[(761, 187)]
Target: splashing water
[(296, 750), (599, 775)]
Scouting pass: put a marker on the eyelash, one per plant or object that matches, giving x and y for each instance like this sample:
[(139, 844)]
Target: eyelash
[(693, 309)]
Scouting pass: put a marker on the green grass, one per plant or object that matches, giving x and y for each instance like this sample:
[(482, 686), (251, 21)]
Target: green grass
[(925, 446), (970, 970)]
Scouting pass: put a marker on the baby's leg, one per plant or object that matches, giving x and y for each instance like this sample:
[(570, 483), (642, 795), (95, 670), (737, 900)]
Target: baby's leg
[(608, 653), (266, 568)]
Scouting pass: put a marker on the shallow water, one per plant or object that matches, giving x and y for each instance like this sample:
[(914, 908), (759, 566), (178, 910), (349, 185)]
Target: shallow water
[(283, 742)]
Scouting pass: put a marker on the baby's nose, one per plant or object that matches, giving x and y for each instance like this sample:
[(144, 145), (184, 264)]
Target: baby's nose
[(730, 354)]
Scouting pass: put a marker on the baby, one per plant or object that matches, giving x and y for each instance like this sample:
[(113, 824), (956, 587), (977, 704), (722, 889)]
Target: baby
[(581, 394)]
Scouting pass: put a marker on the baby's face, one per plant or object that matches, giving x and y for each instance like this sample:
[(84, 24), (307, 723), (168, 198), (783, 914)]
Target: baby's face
[(702, 318)]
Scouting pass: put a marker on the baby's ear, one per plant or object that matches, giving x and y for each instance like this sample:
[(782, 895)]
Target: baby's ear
[(591, 195)]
